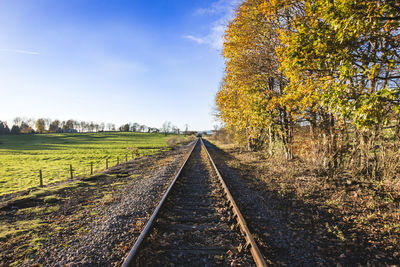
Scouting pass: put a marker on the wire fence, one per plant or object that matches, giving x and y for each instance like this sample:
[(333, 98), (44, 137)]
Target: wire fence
[(71, 169), (78, 171)]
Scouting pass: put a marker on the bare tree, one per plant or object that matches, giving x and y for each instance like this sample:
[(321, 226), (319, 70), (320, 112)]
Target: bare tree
[(83, 126), (47, 122), (166, 127), (76, 124), (17, 121), (31, 122), (175, 129), (135, 127), (91, 126), (216, 127), (109, 126)]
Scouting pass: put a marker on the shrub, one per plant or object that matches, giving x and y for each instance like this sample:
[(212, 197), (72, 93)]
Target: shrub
[(222, 136), (175, 140), (134, 150)]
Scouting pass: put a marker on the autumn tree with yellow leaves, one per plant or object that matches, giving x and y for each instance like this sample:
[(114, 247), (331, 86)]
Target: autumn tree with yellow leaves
[(249, 97), (329, 65)]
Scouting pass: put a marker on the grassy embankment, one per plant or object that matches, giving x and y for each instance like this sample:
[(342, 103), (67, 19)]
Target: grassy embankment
[(22, 156), (62, 212)]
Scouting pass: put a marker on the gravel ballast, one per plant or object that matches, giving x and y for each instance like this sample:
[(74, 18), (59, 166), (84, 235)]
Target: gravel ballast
[(304, 218), (269, 225)]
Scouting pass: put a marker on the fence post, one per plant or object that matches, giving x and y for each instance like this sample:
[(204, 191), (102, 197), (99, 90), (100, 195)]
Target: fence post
[(106, 163), (126, 157), (91, 167), (41, 178), (132, 155), (118, 160), (71, 171)]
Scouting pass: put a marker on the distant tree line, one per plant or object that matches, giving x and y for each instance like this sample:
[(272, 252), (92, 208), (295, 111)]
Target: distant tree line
[(166, 128), (136, 127), (46, 125)]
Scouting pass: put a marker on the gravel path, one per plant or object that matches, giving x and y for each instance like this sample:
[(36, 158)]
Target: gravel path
[(110, 237)]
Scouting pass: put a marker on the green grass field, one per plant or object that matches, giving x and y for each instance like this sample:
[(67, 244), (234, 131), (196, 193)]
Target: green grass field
[(22, 156)]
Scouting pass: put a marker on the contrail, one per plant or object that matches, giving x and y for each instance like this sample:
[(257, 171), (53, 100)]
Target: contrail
[(19, 51)]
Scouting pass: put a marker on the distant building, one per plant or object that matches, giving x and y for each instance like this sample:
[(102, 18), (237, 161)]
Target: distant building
[(66, 130), (207, 132)]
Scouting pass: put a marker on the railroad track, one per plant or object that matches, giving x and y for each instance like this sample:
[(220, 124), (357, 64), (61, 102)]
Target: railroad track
[(197, 222)]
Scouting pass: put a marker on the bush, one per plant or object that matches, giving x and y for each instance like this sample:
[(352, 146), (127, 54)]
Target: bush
[(175, 140), (222, 136), (134, 150)]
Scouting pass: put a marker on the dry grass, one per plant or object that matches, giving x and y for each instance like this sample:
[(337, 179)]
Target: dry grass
[(175, 140), (361, 213), (222, 137)]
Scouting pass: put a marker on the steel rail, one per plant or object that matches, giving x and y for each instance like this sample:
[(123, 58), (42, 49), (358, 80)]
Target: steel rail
[(241, 223), (131, 256), (255, 251)]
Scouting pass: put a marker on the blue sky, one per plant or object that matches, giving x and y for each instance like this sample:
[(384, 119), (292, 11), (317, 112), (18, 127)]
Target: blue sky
[(112, 61)]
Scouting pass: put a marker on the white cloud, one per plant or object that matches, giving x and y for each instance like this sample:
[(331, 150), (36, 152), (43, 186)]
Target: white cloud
[(220, 6), (19, 51), (225, 9), (198, 40)]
